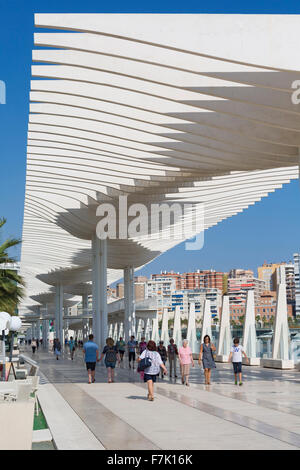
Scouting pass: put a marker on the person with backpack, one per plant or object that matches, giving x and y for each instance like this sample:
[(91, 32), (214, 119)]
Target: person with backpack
[(111, 354), (56, 348), (33, 345), (150, 362), (72, 347)]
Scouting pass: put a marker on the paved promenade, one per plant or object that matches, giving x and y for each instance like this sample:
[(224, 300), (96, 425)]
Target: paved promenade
[(262, 414)]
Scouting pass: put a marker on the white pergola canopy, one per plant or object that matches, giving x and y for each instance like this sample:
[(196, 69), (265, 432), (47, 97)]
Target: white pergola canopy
[(157, 108)]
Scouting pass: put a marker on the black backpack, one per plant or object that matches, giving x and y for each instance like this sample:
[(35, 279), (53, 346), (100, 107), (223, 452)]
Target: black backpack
[(111, 355)]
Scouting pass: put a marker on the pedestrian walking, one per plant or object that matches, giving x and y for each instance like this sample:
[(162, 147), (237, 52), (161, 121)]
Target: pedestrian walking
[(91, 356), (206, 357), (185, 359), (172, 356), (33, 345), (110, 352), (57, 348), (121, 346), (72, 347), (142, 345), (132, 346), (152, 359), (236, 356), (163, 354)]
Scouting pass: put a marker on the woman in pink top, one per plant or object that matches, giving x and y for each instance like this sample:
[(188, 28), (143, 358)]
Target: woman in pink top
[(185, 359)]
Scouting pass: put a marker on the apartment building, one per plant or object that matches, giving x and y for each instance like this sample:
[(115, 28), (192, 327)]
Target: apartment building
[(183, 298), (238, 287), (194, 280)]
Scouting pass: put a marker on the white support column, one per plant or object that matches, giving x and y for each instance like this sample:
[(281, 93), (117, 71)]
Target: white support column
[(110, 330), (191, 330), (225, 339), (280, 350), (155, 333), (85, 304), (33, 330), (59, 300), (206, 324), (177, 333), (85, 329), (45, 326), (249, 332), (99, 264), (121, 330), (147, 329), (85, 322), (66, 324), (38, 330), (115, 332), (129, 303), (165, 327), (139, 330)]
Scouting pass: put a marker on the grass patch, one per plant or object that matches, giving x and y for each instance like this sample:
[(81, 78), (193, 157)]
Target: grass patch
[(39, 421)]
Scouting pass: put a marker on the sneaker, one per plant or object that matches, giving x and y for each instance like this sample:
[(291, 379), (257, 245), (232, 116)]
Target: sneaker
[(235, 382), (241, 383)]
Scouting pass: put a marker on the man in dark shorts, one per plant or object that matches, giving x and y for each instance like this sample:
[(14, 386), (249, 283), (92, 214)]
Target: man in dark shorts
[(91, 352)]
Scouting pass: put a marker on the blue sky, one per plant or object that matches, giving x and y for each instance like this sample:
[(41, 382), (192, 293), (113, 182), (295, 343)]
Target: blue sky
[(267, 231)]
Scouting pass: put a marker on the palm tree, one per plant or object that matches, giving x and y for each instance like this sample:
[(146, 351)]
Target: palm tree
[(11, 284)]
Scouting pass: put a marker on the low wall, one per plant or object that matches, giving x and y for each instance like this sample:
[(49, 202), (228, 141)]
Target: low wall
[(16, 420)]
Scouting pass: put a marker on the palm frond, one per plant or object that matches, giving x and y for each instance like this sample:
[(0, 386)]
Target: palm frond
[(11, 284)]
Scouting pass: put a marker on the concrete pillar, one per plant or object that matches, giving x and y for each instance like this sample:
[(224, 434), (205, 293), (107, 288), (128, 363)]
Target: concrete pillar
[(177, 333), (147, 329), (85, 304), (225, 339), (129, 301), (280, 350), (115, 332), (191, 330), (85, 329), (59, 300), (45, 325), (66, 324), (165, 327), (38, 325), (121, 330), (139, 331), (99, 266), (155, 333), (206, 324), (249, 331)]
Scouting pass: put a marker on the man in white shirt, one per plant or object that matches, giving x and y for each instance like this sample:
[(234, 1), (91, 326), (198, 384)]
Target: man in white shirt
[(236, 356)]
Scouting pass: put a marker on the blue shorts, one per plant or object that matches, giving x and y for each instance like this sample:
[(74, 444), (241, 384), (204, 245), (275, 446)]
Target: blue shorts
[(112, 365), (237, 367), (148, 377)]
